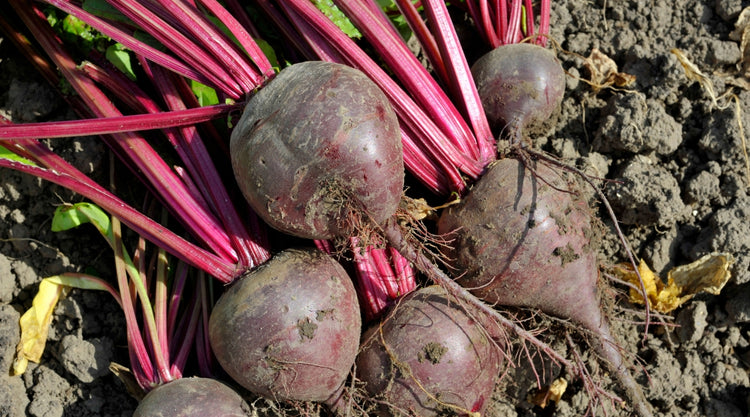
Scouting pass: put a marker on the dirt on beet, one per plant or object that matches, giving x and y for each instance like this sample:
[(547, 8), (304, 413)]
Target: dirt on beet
[(676, 177)]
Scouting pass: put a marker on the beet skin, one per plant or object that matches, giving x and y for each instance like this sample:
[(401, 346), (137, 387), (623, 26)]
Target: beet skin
[(290, 329), (429, 358), (188, 397), (315, 145), (521, 85), (523, 237)]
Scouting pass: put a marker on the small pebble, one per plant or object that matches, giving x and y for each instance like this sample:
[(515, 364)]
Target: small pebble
[(692, 322)]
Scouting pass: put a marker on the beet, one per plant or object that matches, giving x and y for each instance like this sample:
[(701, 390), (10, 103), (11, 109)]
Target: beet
[(289, 330), (429, 349), (317, 147), (188, 397), (523, 237), (515, 232), (521, 85)]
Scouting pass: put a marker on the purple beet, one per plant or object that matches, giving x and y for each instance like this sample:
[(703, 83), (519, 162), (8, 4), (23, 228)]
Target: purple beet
[(318, 150), (523, 237), (520, 241), (290, 329), (428, 357), (188, 397), (521, 85)]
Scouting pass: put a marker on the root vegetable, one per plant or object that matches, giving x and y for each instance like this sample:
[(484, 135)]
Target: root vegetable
[(520, 85), (316, 147), (187, 397), (523, 239), (429, 357), (290, 329)]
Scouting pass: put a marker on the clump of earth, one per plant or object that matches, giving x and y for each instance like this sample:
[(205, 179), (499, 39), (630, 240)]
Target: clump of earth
[(674, 172)]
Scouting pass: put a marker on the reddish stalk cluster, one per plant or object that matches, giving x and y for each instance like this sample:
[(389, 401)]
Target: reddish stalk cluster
[(447, 142), (501, 22), (222, 243), (200, 201)]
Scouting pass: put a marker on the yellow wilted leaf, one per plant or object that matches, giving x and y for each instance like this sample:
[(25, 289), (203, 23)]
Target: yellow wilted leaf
[(708, 274), (551, 393), (35, 324)]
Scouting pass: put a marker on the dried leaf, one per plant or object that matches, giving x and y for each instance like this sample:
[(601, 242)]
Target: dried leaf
[(604, 73), (125, 375), (695, 74), (553, 392), (36, 320), (708, 274), (741, 25), (742, 82), (741, 33), (418, 209), (35, 324)]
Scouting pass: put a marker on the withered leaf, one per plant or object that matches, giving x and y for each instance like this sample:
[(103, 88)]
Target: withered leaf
[(604, 73)]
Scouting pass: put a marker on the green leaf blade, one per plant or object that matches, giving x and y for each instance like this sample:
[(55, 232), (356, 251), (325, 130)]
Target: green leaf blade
[(6, 153), (120, 58), (71, 216)]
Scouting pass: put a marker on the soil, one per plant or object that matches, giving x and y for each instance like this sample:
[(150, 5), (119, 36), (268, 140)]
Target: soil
[(678, 186)]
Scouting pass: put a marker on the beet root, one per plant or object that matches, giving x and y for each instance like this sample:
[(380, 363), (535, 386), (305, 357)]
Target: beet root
[(520, 241), (188, 397), (429, 357), (520, 86), (523, 238), (289, 330), (317, 144)]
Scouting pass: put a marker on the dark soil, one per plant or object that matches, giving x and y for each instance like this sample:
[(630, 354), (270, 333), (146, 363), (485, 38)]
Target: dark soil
[(681, 191)]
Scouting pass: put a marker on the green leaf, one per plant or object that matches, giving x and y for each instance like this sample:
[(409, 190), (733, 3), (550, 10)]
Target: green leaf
[(5, 153), (264, 46), (402, 26), (205, 94), (149, 40), (78, 27), (120, 58), (73, 215), (387, 5), (70, 216), (103, 9), (76, 32), (268, 52), (80, 281), (337, 17), (391, 10), (51, 14)]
